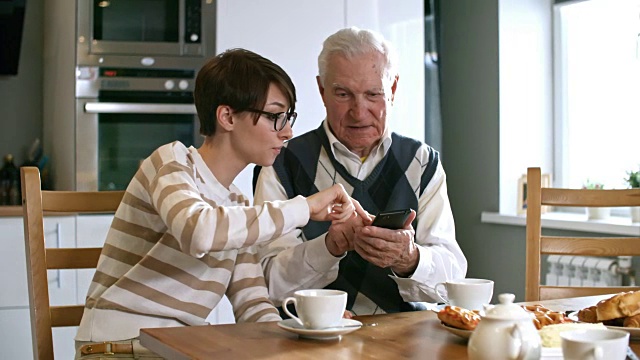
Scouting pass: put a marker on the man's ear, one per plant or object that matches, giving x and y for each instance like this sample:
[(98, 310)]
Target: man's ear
[(394, 86), (224, 117), (320, 87)]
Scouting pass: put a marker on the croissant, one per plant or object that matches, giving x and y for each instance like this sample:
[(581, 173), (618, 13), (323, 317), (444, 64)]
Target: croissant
[(458, 317)]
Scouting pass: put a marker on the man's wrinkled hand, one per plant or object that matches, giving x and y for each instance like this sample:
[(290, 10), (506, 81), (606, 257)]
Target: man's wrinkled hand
[(387, 248), (340, 237)]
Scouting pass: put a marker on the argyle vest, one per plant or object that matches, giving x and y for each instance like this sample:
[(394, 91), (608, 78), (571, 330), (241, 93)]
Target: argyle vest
[(307, 161)]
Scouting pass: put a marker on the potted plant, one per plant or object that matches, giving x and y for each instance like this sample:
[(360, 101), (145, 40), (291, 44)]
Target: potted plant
[(596, 213), (633, 180)]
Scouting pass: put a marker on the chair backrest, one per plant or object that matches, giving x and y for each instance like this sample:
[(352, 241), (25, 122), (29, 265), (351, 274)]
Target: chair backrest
[(40, 259), (538, 245)]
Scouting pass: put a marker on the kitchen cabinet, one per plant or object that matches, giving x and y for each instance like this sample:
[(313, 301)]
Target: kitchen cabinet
[(15, 325)]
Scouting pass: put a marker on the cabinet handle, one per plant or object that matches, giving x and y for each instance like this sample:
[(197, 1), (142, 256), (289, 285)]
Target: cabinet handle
[(138, 108), (58, 237)]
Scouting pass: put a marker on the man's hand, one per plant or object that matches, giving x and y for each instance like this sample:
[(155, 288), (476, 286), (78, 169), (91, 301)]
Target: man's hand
[(389, 248), (340, 236)]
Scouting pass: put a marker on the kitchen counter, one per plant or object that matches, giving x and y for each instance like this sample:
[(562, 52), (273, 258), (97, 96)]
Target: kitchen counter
[(15, 210)]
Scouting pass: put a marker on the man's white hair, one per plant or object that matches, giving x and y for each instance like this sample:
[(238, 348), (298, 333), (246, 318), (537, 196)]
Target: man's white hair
[(352, 42)]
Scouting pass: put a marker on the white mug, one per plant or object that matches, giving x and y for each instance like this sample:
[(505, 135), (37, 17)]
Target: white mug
[(471, 294), (317, 308), (594, 344)]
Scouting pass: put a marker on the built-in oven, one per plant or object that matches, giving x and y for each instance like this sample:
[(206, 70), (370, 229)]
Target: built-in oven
[(122, 115)]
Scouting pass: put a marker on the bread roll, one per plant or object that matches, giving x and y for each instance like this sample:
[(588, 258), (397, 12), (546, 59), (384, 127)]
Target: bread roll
[(619, 306), (458, 317), (588, 315), (632, 321)]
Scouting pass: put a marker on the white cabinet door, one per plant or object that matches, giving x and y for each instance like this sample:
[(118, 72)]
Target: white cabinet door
[(15, 323), (59, 232), (13, 271), (15, 342)]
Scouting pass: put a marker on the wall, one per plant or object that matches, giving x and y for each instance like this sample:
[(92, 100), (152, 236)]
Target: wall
[(471, 136), (21, 95), (495, 65), (470, 94)]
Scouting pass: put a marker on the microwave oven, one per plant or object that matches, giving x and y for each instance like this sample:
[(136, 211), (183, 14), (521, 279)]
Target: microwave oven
[(145, 33)]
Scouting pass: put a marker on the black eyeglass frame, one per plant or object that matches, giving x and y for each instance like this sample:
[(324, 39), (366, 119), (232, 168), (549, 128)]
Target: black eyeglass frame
[(289, 117)]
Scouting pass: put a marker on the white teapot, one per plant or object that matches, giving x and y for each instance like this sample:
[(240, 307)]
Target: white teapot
[(506, 331)]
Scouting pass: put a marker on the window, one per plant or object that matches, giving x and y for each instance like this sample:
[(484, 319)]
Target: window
[(597, 92)]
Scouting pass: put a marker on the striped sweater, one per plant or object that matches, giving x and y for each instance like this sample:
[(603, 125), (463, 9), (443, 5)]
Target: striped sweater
[(179, 241)]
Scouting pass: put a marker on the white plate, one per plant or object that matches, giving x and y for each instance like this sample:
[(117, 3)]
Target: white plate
[(460, 332), (551, 353), (346, 326), (545, 353), (634, 333), (437, 307)]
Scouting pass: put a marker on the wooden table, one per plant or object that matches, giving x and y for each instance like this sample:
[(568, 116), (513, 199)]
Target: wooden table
[(413, 335)]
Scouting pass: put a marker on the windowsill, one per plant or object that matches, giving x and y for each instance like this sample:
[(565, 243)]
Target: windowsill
[(568, 221)]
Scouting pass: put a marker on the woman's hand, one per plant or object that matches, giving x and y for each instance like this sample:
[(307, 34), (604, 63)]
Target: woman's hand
[(334, 204)]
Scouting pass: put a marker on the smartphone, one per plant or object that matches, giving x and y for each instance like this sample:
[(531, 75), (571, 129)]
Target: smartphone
[(394, 219)]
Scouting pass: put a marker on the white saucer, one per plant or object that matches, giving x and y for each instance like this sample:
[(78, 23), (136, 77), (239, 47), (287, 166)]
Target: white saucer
[(551, 353), (324, 334), (634, 333), (460, 332)]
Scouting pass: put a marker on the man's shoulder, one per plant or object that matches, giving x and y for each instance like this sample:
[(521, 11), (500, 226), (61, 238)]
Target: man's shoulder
[(404, 142), (312, 135)]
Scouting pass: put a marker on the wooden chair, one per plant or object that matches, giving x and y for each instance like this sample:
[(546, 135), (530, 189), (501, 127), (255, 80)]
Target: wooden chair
[(40, 259), (538, 245)]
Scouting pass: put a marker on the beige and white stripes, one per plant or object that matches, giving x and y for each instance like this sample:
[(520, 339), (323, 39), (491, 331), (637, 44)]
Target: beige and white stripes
[(180, 241)]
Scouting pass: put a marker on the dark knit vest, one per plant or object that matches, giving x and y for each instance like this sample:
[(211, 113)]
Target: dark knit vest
[(386, 188)]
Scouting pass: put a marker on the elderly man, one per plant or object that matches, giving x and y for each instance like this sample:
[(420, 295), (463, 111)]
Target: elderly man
[(382, 270)]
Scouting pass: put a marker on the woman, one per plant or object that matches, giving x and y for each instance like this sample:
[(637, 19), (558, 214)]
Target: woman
[(182, 236)]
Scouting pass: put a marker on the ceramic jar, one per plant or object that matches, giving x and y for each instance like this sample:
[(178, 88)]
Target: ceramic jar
[(635, 214), (506, 332), (598, 213)]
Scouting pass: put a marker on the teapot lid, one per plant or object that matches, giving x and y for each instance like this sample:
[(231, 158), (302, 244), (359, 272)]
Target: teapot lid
[(506, 309)]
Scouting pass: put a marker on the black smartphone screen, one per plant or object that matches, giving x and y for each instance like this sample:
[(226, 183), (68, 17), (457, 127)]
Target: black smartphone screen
[(392, 219)]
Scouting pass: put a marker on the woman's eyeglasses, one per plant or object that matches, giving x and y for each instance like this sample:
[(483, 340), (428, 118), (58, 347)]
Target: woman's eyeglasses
[(279, 119)]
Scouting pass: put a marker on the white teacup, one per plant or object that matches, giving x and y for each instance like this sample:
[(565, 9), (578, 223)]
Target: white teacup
[(470, 294), (594, 344), (317, 308)]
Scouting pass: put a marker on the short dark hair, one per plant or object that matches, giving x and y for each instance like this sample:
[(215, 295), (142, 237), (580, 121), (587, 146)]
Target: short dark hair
[(240, 79)]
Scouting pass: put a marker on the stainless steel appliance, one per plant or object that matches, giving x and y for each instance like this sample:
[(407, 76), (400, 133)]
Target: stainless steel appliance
[(118, 83), (156, 33), (123, 115)]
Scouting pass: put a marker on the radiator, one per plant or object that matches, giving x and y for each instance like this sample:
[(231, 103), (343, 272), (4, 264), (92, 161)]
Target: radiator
[(565, 270)]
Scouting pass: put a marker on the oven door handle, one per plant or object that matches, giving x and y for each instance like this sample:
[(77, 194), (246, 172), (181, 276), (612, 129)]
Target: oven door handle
[(138, 108)]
